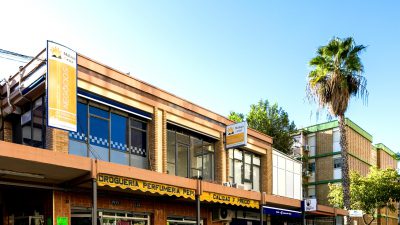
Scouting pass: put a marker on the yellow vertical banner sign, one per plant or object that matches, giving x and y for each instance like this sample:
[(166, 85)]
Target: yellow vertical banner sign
[(61, 87)]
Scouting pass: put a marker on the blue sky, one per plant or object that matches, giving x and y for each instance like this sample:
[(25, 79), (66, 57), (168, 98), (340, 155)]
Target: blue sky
[(223, 55)]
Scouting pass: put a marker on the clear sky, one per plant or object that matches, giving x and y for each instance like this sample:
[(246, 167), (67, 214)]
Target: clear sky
[(223, 55)]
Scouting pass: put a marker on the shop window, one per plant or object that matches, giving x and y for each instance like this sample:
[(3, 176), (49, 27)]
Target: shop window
[(244, 169), (110, 135), (189, 154)]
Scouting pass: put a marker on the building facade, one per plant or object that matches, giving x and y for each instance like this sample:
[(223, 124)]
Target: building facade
[(140, 155), (321, 148)]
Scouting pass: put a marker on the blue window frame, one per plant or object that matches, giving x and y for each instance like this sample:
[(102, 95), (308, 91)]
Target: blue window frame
[(109, 135)]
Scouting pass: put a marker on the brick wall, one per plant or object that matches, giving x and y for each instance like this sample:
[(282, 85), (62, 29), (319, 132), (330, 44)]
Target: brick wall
[(7, 131), (358, 145), (220, 160), (164, 142), (358, 165), (324, 142), (57, 140), (266, 172), (324, 168), (322, 194), (385, 160), (153, 140)]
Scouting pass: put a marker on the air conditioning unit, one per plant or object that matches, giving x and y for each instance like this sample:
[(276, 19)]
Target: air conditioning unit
[(307, 173), (222, 214), (238, 186), (227, 184)]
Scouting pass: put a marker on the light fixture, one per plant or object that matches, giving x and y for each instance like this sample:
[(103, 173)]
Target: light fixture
[(21, 174)]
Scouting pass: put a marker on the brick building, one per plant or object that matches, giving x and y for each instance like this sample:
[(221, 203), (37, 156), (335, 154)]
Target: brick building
[(320, 144), (140, 155)]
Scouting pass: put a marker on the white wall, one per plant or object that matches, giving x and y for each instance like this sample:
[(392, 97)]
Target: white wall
[(287, 177)]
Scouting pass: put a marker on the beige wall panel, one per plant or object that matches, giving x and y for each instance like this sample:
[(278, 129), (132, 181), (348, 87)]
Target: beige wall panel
[(192, 125), (112, 95)]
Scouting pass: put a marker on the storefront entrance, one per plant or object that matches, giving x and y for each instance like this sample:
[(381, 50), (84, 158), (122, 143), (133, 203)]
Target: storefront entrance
[(25, 206), (84, 217), (182, 221)]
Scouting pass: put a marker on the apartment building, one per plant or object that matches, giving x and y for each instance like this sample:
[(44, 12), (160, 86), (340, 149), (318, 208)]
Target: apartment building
[(138, 155), (321, 148)]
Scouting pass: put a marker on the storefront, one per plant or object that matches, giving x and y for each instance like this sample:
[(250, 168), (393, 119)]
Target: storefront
[(279, 216)]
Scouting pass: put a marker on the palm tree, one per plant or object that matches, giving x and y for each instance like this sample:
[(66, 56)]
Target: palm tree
[(335, 78)]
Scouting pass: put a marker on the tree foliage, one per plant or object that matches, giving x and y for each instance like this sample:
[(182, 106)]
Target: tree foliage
[(335, 78), (271, 120), (379, 189)]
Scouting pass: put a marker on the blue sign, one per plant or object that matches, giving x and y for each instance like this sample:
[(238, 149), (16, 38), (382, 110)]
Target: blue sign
[(281, 212)]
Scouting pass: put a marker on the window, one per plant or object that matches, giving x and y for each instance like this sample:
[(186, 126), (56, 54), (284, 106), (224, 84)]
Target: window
[(33, 124), (337, 163), (337, 168), (189, 154), (244, 169), (311, 141), (109, 135), (336, 140), (311, 191), (311, 167)]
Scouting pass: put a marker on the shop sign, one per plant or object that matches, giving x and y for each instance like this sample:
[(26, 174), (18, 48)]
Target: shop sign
[(236, 135), (145, 186), (228, 199), (355, 213), (62, 220), (310, 204), (61, 87), (281, 212)]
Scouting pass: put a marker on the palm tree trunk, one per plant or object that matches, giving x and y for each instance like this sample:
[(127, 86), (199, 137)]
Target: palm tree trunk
[(345, 165)]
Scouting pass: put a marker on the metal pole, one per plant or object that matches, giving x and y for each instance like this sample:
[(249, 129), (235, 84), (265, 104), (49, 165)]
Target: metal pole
[(198, 209), (303, 212), (261, 215), (94, 208)]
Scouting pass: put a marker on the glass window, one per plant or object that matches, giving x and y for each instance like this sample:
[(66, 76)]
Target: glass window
[(196, 152), (98, 112), (337, 163), (33, 124), (244, 169), (119, 139), (311, 167), (98, 138), (208, 161), (78, 139), (336, 141), (182, 164), (109, 136), (189, 155), (171, 152)]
